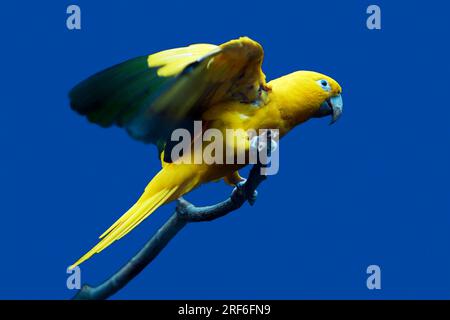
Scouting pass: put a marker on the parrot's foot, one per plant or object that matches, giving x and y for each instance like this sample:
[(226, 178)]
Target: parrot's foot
[(239, 191), (259, 143)]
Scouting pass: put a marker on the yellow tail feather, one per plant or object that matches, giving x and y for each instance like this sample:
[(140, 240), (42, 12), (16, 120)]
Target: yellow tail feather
[(145, 206)]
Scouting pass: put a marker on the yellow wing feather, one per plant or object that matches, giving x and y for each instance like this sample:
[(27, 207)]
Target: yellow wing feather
[(173, 61), (231, 71)]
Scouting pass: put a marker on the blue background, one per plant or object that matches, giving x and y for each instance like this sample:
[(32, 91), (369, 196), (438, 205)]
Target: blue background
[(372, 189)]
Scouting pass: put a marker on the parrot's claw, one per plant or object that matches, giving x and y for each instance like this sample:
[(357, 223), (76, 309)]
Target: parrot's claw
[(252, 199), (258, 143), (240, 191)]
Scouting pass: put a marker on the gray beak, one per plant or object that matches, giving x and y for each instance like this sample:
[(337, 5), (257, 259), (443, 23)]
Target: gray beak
[(337, 105), (332, 106)]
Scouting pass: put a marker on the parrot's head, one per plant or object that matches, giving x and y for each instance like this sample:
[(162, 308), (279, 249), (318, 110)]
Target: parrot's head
[(308, 94), (328, 99)]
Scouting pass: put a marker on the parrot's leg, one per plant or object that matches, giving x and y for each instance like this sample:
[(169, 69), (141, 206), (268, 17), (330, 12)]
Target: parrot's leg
[(233, 178), (257, 144), (240, 188)]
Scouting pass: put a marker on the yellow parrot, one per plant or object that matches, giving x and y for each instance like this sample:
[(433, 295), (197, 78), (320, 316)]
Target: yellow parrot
[(223, 86)]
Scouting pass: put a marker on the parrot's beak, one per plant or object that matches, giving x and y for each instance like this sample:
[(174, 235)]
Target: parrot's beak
[(332, 106)]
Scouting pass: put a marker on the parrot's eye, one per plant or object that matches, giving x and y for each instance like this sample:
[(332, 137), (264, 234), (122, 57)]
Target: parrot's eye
[(324, 84)]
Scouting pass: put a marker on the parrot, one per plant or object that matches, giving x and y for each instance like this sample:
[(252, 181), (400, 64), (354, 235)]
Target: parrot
[(223, 86)]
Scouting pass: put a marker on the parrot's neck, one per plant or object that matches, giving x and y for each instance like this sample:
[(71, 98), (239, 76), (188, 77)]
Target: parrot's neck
[(295, 103)]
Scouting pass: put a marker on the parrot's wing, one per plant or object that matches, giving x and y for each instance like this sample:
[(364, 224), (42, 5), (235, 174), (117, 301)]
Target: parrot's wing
[(151, 95)]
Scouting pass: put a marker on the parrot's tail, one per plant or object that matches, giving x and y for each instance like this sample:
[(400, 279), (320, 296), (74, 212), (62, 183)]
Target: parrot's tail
[(169, 184)]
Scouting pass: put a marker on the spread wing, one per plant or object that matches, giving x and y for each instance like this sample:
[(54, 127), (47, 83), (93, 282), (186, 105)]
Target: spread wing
[(151, 95)]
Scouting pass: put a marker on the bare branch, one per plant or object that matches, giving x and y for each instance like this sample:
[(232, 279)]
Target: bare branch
[(185, 212)]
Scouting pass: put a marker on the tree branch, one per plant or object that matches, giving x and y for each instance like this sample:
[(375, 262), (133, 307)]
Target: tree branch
[(185, 212)]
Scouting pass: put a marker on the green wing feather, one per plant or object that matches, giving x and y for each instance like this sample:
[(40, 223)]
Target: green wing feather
[(119, 94), (152, 95), (135, 96)]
